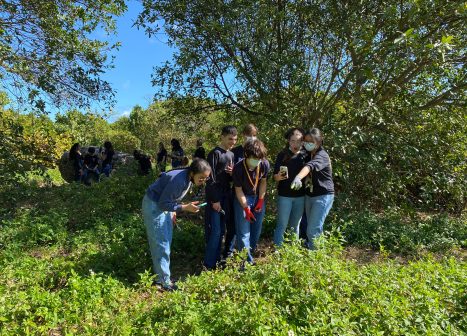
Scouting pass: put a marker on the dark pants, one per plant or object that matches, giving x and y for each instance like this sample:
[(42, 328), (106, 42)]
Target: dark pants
[(215, 223), (229, 244)]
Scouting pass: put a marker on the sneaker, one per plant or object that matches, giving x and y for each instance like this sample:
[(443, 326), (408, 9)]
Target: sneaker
[(170, 287)]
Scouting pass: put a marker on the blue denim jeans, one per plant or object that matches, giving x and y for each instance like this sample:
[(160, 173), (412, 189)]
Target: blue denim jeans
[(248, 233), (159, 230), (229, 244), (214, 230), (107, 169), (317, 208), (289, 213)]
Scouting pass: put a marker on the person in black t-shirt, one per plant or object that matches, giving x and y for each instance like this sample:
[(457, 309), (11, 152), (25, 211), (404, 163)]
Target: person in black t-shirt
[(249, 133), (200, 152), (219, 195), (144, 162), (290, 202), (320, 195), (250, 182), (107, 157), (90, 167), (162, 157)]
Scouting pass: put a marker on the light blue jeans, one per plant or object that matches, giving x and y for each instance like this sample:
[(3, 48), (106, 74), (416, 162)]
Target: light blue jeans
[(159, 230), (248, 233), (289, 212), (317, 208)]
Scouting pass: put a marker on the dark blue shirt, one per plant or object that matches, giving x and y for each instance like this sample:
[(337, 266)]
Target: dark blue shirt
[(321, 174), (238, 154), (294, 164), (241, 179), (219, 182), (177, 162), (169, 189)]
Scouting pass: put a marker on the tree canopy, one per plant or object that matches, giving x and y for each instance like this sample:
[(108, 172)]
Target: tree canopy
[(283, 58), (49, 52)]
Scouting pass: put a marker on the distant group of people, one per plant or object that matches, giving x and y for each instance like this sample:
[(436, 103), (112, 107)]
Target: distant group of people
[(88, 168), (236, 186), (177, 155)]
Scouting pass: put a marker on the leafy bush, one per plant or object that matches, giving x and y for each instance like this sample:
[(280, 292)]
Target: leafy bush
[(401, 231)]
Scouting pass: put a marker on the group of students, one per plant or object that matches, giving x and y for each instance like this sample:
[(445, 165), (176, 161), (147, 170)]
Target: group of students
[(177, 155), (236, 185), (90, 166)]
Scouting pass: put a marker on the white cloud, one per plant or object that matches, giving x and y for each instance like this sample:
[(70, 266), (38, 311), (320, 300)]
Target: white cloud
[(125, 113)]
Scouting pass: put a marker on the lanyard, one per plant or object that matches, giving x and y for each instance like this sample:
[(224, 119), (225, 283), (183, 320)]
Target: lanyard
[(254, 185)]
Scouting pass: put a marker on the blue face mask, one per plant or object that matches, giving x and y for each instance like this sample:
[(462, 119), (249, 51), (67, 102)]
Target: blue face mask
[(253, 163), (309, 146)]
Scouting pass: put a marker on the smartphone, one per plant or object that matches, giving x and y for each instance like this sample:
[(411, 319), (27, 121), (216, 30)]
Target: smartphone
[(284, 171)]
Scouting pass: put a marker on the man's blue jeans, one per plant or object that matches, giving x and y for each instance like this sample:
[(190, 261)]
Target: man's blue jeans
[(317, 208), (215, 229), (289, 213), (248, 233), (159, 231)]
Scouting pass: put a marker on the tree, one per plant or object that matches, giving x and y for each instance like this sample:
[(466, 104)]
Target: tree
[(284, 59), (48, 53)]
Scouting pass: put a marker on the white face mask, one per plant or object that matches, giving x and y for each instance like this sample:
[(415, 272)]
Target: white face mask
[(250, 138), (309, 146)]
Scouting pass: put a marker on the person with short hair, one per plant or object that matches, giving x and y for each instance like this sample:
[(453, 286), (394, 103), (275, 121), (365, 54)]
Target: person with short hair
[(290, 202), (250, 182), (161, 203), (320, 195), (219, 195)]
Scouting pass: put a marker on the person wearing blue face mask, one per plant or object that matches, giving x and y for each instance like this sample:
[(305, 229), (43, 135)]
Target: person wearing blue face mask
[(250, 181), (320, 195)]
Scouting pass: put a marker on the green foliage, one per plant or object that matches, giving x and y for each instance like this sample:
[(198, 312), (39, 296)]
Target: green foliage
[(401, 231), (74, 260), (49, 51), (29, 143), (288, 60)]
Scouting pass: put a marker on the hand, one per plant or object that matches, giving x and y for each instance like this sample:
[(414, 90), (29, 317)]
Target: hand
[(229, 169), (248, 214), (280, 177), (296, 183), (217, 206), (174, 218), (259, 205), (191, 207)]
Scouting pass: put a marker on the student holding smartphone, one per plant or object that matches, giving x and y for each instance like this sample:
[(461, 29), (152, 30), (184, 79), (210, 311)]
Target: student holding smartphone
[(290, 202), (161, 203)]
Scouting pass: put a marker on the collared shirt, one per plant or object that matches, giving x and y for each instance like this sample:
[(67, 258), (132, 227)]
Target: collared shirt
[(169, 189), (240, 177), (321, 174)]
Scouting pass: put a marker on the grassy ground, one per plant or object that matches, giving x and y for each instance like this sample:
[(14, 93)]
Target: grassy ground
[(74, 260)]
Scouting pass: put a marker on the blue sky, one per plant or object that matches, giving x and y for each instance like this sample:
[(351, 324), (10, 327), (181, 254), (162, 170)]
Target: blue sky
[(134, 62)]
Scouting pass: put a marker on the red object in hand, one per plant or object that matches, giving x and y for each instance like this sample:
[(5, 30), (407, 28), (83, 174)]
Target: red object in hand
[(249, 215), (259, 205)]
